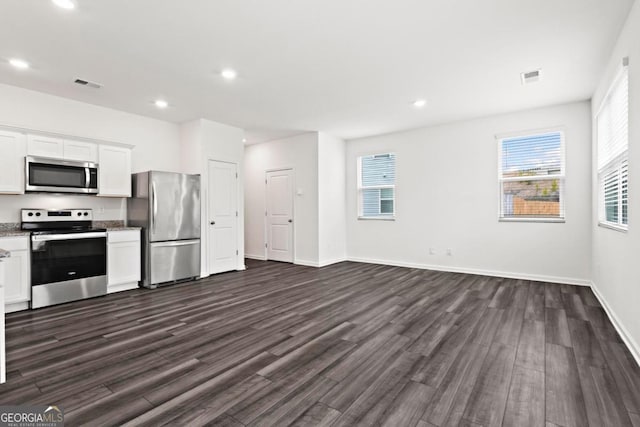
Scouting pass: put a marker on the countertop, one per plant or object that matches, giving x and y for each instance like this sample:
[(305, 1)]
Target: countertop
[(13, 233), (114, 225), (11, 229), (4, 254), (123, 228)]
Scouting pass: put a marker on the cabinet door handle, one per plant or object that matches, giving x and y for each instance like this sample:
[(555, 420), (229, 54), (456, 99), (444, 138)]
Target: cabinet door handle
[(290, 220), (213, 223)]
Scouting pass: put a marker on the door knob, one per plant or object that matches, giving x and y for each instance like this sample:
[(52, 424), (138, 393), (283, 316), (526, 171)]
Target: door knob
[(290, 220), (213, 223)]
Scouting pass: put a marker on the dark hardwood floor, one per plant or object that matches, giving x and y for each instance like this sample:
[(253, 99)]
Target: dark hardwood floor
[(342, 345)]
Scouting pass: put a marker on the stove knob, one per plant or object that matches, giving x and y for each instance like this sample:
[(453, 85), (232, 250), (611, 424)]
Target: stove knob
[(30, 214), (86, 214), (79, 213), (37, 213)]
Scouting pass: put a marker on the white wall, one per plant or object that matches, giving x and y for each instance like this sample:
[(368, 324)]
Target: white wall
[(300, 153), (448, 197), (616, 271), (204, 140), (156, 143), (331, 199)]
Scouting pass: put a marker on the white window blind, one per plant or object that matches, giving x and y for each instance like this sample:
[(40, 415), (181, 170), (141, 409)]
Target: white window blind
[(376, 186), (531, 174), (613, 145)]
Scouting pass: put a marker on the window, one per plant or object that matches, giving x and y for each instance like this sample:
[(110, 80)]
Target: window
[(531, 173), (377, 186), (613, 146)]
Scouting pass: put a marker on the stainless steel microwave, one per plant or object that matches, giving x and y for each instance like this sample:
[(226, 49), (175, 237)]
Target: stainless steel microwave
[(60, 176)]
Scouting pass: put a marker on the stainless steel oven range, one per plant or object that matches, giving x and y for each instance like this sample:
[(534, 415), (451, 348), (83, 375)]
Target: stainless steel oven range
[(68, 256)]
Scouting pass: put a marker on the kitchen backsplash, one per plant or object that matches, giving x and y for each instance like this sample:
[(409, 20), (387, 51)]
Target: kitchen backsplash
[(104, 208)]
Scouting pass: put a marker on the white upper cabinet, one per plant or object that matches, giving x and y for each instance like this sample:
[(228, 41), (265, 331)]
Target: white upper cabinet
[(81, 151), (59, 148), (13, 148), (45, 146), (114, 173), (114, 161)]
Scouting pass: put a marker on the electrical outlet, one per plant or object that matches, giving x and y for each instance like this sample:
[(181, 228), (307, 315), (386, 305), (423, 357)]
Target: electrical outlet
[(449, 252)]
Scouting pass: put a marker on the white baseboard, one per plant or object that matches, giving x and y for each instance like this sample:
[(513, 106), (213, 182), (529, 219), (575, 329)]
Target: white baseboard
[(633, 347), (493, 273), (331, 261), (301, 261), (306, 263)]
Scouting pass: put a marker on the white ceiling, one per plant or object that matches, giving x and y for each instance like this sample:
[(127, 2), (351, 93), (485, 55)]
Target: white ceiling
[(347, 67)]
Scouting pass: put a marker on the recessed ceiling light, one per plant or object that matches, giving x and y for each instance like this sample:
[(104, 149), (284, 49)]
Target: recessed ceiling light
[(65, 4), (161, 103), (19, 63), (229, 74), (419, 103)]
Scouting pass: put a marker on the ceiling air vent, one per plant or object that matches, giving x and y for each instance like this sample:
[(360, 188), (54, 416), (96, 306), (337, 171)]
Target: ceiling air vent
[(530, 76), (88, 83)]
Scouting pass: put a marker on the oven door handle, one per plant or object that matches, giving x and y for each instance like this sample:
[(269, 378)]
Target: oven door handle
[(70, 236)]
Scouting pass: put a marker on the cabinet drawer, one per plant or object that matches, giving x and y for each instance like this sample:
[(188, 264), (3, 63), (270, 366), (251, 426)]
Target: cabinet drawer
[(123, 236), (20, 243)]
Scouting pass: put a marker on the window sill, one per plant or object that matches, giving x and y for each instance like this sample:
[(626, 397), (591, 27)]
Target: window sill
[(617, 228), (543, 220), (376, 218)]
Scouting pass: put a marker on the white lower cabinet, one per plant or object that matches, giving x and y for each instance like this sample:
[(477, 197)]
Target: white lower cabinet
[(17, 282), (3, 355), (123, 260)]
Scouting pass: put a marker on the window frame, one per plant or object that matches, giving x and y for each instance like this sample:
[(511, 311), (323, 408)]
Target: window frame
[(614, 164), (562, 176), (360, 188)]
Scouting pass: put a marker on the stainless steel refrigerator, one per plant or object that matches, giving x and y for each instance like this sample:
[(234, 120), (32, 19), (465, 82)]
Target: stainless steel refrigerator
[(167, 206)]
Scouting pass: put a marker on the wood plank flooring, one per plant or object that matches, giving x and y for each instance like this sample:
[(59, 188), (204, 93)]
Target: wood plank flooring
[(348, 344)]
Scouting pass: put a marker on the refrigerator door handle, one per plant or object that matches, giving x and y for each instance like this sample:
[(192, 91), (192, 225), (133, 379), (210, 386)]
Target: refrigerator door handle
[(154, 200), (176, 243)]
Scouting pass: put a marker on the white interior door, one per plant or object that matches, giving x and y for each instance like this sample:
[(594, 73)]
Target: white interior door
[(223, 217), (280, 215)]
